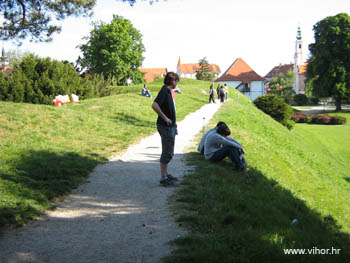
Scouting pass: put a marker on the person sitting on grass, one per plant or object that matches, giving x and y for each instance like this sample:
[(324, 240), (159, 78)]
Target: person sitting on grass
[(145, 91), (201, 144), (218, 145)]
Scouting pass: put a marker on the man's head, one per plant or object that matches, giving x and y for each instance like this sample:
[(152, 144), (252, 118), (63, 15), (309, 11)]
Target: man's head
[(171, 79), (223, 130), (220, 123)]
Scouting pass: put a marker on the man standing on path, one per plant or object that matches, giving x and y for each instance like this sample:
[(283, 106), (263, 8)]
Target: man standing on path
[(164, 106)]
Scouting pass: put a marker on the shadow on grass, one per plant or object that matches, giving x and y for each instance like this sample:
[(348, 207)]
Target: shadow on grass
[(38, 177), (132, 120), (118, 217), (235, 220)]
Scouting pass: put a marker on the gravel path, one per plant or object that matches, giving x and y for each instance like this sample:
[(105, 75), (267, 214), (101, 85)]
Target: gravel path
[(120, 216)]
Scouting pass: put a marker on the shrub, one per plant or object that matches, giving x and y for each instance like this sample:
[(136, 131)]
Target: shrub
[(321, 119), (300, 99), (275, 107), (338, 120), (101, 84), (302, 117), (288, 123), (39, 80)]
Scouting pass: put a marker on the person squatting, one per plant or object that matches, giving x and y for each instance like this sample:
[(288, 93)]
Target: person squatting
[(215, 145)]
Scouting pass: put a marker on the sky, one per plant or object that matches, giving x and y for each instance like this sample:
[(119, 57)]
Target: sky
[(261, 32)]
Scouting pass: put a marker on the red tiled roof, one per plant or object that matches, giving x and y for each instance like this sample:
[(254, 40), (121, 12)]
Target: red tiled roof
[(240, 71), (302, 68), (280, 69), (152, 73), (192, 68)]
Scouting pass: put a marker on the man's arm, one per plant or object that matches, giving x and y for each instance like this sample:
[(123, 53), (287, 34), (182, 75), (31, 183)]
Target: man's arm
[(225, 141), (158, 110)]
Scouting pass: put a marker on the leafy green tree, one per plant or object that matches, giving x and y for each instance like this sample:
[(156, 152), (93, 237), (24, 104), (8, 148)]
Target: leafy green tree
[(204, 72), (329, 66), (15, 56), (282, 85), (39, 19), (115, 50)]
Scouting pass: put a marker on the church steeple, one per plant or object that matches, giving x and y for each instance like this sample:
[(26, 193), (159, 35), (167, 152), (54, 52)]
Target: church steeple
[(3, 58), (178, 68), (299, 33), (298, 57)]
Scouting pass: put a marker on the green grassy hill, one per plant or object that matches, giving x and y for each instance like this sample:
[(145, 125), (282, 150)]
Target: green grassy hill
[(47, 151), (301, 174)]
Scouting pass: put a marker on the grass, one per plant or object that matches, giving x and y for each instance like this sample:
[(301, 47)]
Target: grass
[(301, 174), (46, 151)]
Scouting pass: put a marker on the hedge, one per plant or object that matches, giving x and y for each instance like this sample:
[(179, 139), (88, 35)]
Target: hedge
[(325, 119)]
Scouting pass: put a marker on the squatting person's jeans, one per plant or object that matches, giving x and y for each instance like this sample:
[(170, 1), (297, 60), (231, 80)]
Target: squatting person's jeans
[(232, 153), (167, 135)]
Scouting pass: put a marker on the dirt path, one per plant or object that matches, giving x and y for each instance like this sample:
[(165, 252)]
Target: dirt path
[(120, 216)]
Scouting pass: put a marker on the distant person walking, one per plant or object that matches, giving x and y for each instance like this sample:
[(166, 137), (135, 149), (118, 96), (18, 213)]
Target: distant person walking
[(222, 94), (226, 91), (218, 91), (211, 93), (164, 106)]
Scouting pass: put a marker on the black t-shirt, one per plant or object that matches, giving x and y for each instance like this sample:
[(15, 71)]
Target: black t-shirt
[(166, 104)]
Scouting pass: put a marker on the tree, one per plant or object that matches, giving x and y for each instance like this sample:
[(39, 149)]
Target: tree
[(329, 66), (204, 72), (282, 85), (39, 19), (114, 50)]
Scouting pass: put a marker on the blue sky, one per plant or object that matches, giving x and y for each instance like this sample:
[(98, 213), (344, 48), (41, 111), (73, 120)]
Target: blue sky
[(263, 33)]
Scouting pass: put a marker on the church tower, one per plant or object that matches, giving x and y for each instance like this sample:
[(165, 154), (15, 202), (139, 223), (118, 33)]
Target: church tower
[(3, 58), (298, 57), (298, 60)]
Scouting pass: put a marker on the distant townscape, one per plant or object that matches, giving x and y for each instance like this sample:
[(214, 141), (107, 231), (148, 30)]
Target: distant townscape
[(241, 76)]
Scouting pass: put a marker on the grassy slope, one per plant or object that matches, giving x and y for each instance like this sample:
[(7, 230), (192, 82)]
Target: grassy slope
[(301, 174), (47, 151)]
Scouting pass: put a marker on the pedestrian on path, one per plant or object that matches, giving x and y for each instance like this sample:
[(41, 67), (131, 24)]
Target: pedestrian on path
[(164, 106), (218, 91), (211, 93), (222, 94)]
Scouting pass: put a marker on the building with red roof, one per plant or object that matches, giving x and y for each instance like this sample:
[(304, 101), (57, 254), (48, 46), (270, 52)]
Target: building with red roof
[(298, 67), (242, 77), (151, 74), (190, 70)]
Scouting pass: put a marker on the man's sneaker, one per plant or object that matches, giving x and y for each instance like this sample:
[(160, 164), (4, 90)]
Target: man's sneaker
[(173, 178), (167, 182)]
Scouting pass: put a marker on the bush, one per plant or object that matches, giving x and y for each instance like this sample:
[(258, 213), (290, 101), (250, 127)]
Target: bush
[(101, 84), (276, 107), (300, 99), (321, 119), (39, 80), (325, 119), (300, 117), (338, 120), (288, 123)]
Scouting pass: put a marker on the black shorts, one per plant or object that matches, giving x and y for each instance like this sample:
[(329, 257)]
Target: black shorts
[(167, 135)]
